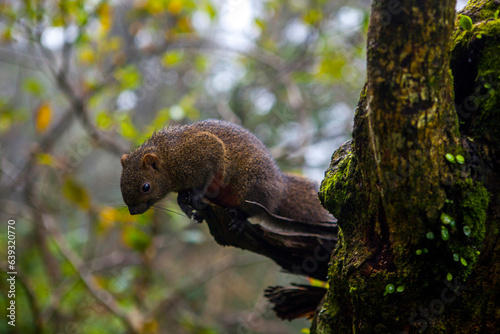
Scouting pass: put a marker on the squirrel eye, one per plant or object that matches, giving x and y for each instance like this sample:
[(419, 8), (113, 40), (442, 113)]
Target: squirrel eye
[(146, 187)]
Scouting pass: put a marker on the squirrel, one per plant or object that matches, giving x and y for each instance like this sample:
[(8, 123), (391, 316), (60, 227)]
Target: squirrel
[(222, 163)]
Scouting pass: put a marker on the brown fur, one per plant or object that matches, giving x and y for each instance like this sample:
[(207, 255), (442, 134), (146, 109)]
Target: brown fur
[(227, 165)]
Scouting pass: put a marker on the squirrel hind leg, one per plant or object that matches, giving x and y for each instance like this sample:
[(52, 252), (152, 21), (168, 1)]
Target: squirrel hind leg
[(238, 219)]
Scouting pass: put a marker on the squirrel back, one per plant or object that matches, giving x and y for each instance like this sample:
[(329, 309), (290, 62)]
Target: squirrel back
[(225, 164)]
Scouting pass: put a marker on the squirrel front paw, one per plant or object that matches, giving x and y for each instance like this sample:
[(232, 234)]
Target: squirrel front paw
[(185, 200)]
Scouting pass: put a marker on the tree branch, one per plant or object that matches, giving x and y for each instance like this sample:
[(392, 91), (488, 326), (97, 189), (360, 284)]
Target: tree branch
[(297, 253)]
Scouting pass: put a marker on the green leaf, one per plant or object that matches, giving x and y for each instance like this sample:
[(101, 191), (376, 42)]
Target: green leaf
[(33, 86), (127, 129), (136, 239), (128, 77), (450, 157), (45, 159), (390, 288), (332, 67), (429, 235), (445, 219), (201, 63), (400, 288), (460, 159), (445, 235), (160, 120), (103, 120), (212, 12), (76, 193), (465, 22)]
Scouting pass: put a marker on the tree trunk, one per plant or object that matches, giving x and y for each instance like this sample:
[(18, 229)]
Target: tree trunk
[(416, 193)]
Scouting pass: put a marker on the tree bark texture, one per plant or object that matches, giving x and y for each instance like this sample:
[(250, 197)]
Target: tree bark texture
[(416, 192)]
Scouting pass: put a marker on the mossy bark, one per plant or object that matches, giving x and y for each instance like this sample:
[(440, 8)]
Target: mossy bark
[(416, 192)]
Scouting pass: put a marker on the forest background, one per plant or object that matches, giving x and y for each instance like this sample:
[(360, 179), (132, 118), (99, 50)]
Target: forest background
[(84, 81)]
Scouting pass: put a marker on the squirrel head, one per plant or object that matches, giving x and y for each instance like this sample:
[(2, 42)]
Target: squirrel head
[(142, 182)]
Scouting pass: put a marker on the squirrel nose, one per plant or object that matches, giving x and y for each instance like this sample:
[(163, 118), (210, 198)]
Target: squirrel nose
[(134, 210), (138, 209)]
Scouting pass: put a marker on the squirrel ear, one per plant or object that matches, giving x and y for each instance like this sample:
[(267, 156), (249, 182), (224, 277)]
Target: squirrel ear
[(124, 157), (150, 161)]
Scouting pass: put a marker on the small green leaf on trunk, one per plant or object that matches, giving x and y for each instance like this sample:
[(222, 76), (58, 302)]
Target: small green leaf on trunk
[(445, 235), (445, 219), (450, 157), (465, 22)]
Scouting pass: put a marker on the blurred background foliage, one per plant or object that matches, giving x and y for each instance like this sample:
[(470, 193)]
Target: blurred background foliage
[(83, 82)]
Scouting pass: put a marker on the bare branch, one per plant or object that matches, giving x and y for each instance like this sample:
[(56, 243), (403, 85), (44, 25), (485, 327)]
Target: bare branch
[(134, 320)]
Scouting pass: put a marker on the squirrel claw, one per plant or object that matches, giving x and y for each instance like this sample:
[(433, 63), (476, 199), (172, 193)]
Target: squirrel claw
[(197, 217)]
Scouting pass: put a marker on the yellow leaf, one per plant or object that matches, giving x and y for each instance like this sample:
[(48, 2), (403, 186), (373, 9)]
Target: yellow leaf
[(45, 159), (123, 216), (42, 117), (332, 67), (172, 58), (174, 7), (115, 43), (184, 24), (317, 283), (6, 35), (108, 213), (75, 192), (87, 55), (106, 17), (313, 16), (107, 217)]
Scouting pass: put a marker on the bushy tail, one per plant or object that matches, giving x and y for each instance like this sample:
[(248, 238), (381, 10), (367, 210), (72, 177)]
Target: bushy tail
[(302, 206), (297, 302)]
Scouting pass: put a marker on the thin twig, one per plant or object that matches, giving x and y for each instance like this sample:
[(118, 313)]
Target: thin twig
[(134, 320)]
